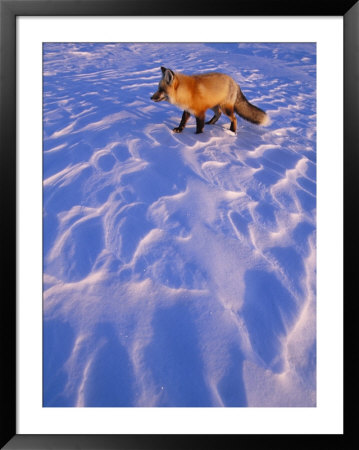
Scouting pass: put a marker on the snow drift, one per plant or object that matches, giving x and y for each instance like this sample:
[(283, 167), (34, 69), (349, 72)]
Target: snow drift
[(179, 269)]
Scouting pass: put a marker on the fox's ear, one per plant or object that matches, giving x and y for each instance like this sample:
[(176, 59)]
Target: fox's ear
[(163, 69), (168, 75)]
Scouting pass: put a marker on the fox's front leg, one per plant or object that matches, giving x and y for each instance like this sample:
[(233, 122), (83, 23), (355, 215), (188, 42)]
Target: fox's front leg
[(184, 120), (200, 123)]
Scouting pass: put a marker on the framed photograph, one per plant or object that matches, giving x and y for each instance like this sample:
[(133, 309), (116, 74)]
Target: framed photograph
[(174, 219)]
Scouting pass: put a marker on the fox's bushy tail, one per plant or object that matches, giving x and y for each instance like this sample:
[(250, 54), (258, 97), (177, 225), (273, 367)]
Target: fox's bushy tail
[(248, 111)]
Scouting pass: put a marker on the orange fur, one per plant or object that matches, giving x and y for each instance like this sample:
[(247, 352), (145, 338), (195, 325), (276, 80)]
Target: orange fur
[(197, 93)]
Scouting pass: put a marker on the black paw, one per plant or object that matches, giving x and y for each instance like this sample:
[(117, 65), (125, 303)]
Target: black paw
[(177, 129)]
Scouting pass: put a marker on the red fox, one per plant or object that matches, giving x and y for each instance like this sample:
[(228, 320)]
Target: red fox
[(197, 93)]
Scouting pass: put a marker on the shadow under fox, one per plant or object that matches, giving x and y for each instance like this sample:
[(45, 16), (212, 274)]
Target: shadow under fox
[(197, 93)]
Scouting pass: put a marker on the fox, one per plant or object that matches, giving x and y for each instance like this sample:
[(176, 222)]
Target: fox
[(195, 94)]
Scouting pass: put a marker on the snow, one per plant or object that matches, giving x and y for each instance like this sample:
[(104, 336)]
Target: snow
[(179, 269)]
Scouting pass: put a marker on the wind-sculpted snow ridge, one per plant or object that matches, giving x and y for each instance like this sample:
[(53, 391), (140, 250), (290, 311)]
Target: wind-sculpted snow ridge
[(179, 269)]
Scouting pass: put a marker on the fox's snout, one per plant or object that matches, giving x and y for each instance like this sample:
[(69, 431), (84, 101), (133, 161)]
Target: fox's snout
[(155, 97), (158, 96)]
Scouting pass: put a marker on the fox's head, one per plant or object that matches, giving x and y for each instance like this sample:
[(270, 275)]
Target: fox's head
[(165, 86)]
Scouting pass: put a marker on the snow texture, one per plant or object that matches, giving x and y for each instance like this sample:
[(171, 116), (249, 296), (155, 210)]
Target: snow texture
[(179, 269)]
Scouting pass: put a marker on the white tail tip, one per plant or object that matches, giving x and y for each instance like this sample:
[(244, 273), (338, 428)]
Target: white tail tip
[(266, 121)]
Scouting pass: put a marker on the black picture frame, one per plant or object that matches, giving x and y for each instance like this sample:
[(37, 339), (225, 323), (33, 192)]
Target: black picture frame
[(9, 10)]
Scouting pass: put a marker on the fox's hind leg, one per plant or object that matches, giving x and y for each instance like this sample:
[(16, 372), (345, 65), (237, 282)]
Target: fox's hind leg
[(229, 111), (217, 115), (184, 120)]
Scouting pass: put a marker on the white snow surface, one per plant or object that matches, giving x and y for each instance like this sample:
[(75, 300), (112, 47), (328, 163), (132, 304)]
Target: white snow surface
[(179, 269)]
